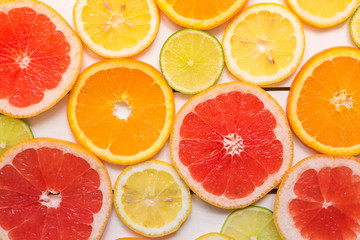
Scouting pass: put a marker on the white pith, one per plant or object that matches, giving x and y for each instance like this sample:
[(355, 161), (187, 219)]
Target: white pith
[(68, 78), (283, 219), (100, 218), (281, 131), (233, 144)]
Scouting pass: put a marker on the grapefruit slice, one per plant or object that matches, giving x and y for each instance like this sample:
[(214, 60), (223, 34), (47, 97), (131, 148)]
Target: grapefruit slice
[(52, 189), (231, 144), (319, 199), (40, 57)]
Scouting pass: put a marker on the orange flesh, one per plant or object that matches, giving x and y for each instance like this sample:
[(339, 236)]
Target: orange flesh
[(200, 9), (96, 104), (329, 103)]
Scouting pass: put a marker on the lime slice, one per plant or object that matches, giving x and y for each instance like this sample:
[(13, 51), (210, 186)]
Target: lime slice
[(12, 132), (251, 223), (191, 60), (355, 27)]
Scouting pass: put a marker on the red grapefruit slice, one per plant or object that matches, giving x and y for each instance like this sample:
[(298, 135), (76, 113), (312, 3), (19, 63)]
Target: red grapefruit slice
[(320, 199), (40, 57), (231, 144), (52, 190)]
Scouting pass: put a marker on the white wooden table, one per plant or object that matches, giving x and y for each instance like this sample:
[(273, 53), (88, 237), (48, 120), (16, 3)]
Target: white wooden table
[(204, 217)]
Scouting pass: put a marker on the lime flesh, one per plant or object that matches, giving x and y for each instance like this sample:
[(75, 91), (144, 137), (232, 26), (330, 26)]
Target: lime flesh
[(355, 27), (12, 132), (251, 223), (191, 60)]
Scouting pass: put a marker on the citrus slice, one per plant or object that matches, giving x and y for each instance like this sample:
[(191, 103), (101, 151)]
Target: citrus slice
[(131, 239), (251, 223), (323, 105), (191, 61), (52, 189), (355, 27), (214, 236), (12, 132), (121, 110), (315, 13), (40, 57), (114, 28), (264, 44), (200, 14), (151, 198), (318, 199), (231, 144)]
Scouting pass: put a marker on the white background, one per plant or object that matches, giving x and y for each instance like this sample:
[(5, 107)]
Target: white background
[(204, 218)]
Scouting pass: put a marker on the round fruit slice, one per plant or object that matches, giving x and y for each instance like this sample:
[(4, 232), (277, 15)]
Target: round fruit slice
[(121, 110), (214, 236), (200, 14), (315, 13), (355, 27), (324, 102), (191, 61), (131, 239), (12, 132), (318, 199), (151, 198), (264, 44), (52, 189), (231, 144), (116, 28), (40, 57), (251, 223)]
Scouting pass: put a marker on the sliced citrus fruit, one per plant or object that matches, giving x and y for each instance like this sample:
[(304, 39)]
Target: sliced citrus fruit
[(52, 189), (12, 132), (264, 44), (121, 110), (318, 199), (200, 14), (231, 144), (40, 57), (315, 13), (251, 223), (214, 236), (324, 102), (355, 27), (191, 60), (131, 239), (151, 198), (114, 28)]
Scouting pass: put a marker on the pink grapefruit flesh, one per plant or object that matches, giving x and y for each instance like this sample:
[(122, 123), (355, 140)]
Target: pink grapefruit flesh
[(231, 144), (49, 190)]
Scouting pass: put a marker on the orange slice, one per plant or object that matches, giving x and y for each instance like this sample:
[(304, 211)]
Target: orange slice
[(315, 13), (121, 110), (324, 102), (50, 189), (200, 14), (40, 57)]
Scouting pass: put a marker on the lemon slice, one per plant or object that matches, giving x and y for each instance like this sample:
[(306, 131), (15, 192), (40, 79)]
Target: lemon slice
[(355, 27), (116, 28), (191, 60), (214, 236), (12, 132), (151, 199), (323, 14), (264, 44)]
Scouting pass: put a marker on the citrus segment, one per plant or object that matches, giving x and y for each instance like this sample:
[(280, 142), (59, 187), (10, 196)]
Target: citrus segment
[(151, 198), (214, 236), (121, 110), (12, 132), (251, 223), (40, 57), (116, 29), (316, 199), (231, 144), (315, 14), (72, 200), (191, 60), (324, 102), (355, 26), (264, 43), (200, 14)]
